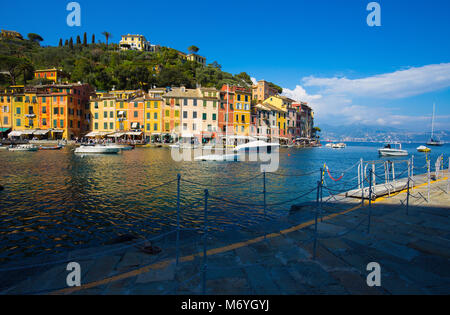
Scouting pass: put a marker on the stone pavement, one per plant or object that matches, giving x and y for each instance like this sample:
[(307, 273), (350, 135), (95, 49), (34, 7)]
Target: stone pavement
[(412, 249)]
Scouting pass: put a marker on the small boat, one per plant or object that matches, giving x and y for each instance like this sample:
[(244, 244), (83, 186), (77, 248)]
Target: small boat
[(24, 147), (396, 151), (339, 146), (329, 145), (423, 148), (97, 149), (56, 147)]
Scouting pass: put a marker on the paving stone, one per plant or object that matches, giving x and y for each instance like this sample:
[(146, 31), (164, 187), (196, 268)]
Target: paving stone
[(430, 248), (354, 283), (283, 278), (231, 286), (102, 268), (157, 275), (311, 274), (260, 281), (400, 251)]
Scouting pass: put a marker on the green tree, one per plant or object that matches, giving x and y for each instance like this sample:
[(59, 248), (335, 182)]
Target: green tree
[(85, 39), (35, 38), (193, 49), (60, 42), (93, 38), (107, 37), (16, 66), (71, 43), (78, 40)]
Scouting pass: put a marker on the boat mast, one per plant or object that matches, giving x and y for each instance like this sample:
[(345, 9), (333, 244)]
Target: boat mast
[(432, 122)]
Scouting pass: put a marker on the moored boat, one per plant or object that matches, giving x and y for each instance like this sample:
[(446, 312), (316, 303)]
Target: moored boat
[(24, 147), (97, 149), (423, 148), (388, 150), (257, 145), (56, 147)]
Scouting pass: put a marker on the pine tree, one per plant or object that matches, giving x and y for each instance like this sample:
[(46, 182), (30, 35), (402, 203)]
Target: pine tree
[(60, 42), (85, 39), (93, 38)]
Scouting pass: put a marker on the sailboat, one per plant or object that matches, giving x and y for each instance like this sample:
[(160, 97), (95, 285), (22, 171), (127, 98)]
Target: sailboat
[(432, 141)]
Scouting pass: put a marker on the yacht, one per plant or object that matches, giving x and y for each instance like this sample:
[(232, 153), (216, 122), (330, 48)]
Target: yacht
[(123, 147), (339, 146), (97, 149), (393, 149), (257, 145)]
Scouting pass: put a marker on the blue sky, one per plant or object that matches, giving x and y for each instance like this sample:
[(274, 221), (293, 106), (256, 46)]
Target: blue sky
[(321, 51)]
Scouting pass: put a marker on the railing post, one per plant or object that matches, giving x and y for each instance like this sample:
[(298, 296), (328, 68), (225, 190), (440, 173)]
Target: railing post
[(429, 178), (178, 219), (393, 172), (205, 239), (322, 173), (370, 202), (362, 181), (264, 179), (407, 199), (412, 167), (448, 176), (374, 174), (316, 218), (359, 175)]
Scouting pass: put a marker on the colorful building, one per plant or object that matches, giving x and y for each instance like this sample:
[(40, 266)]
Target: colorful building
[(242, 110), (226, 111), (283, 104), (55, 75), (199, 111), (103, 115), (11, 35), (134, 42), (51, 111), (5, 112), (262, 91), (153, 119)]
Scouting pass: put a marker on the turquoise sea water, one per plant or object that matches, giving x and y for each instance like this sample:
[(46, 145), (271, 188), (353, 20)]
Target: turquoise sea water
[(55, 201)]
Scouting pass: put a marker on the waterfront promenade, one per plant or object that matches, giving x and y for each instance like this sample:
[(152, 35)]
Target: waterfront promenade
[(413, 250)]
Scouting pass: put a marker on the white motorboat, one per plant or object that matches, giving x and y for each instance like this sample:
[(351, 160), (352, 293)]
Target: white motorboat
[(393, 149), (219, 158), (122, 147), (97, 149), (24, 147), (257, 145), (339, 146)]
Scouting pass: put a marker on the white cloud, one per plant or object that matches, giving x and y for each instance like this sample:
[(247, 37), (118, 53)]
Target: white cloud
[(334, 100), (398, 84)]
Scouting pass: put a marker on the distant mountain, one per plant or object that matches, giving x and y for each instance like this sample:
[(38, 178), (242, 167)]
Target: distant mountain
[(364, 133)]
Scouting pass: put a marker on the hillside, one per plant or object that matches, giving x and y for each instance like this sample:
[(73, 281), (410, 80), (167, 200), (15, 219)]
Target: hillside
[(105, 67)]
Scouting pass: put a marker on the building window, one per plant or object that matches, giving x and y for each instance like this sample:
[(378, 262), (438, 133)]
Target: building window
[(155, 127), (204, 116), (5, 120), (17, 122), (55, 123), (194, 115), (194, 127), (96, 126), (195, 102), (44, 110), (155, 105), (155, 115), (111, 126), (148, 116), (185, 114), (61, 123), (18, 110), (214, 116), (105, 125), (136, 114)]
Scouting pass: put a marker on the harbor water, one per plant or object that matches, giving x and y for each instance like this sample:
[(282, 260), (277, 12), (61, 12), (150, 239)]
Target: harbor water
[(56, 201)]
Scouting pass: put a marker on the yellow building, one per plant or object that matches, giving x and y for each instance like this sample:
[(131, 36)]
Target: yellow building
[(55, 75), (196, 58), (242, 100), (283, 104), (134, 42), (18, 112), (103, 115), (5, 111), (153, 117)]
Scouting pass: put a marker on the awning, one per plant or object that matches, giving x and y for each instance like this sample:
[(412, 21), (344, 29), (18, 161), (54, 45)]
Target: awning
[(40, 132), (92, 134), (135, 125), (15, 134), (58, 131), (28, 132), (116, 135), (4, 129), (134, 133), (121, 113)]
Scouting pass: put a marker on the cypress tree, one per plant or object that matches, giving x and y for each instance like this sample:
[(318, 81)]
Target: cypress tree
[(60, 42), (78, 40), (93, 38), (85, 39), (71, 43), (66, 43)]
